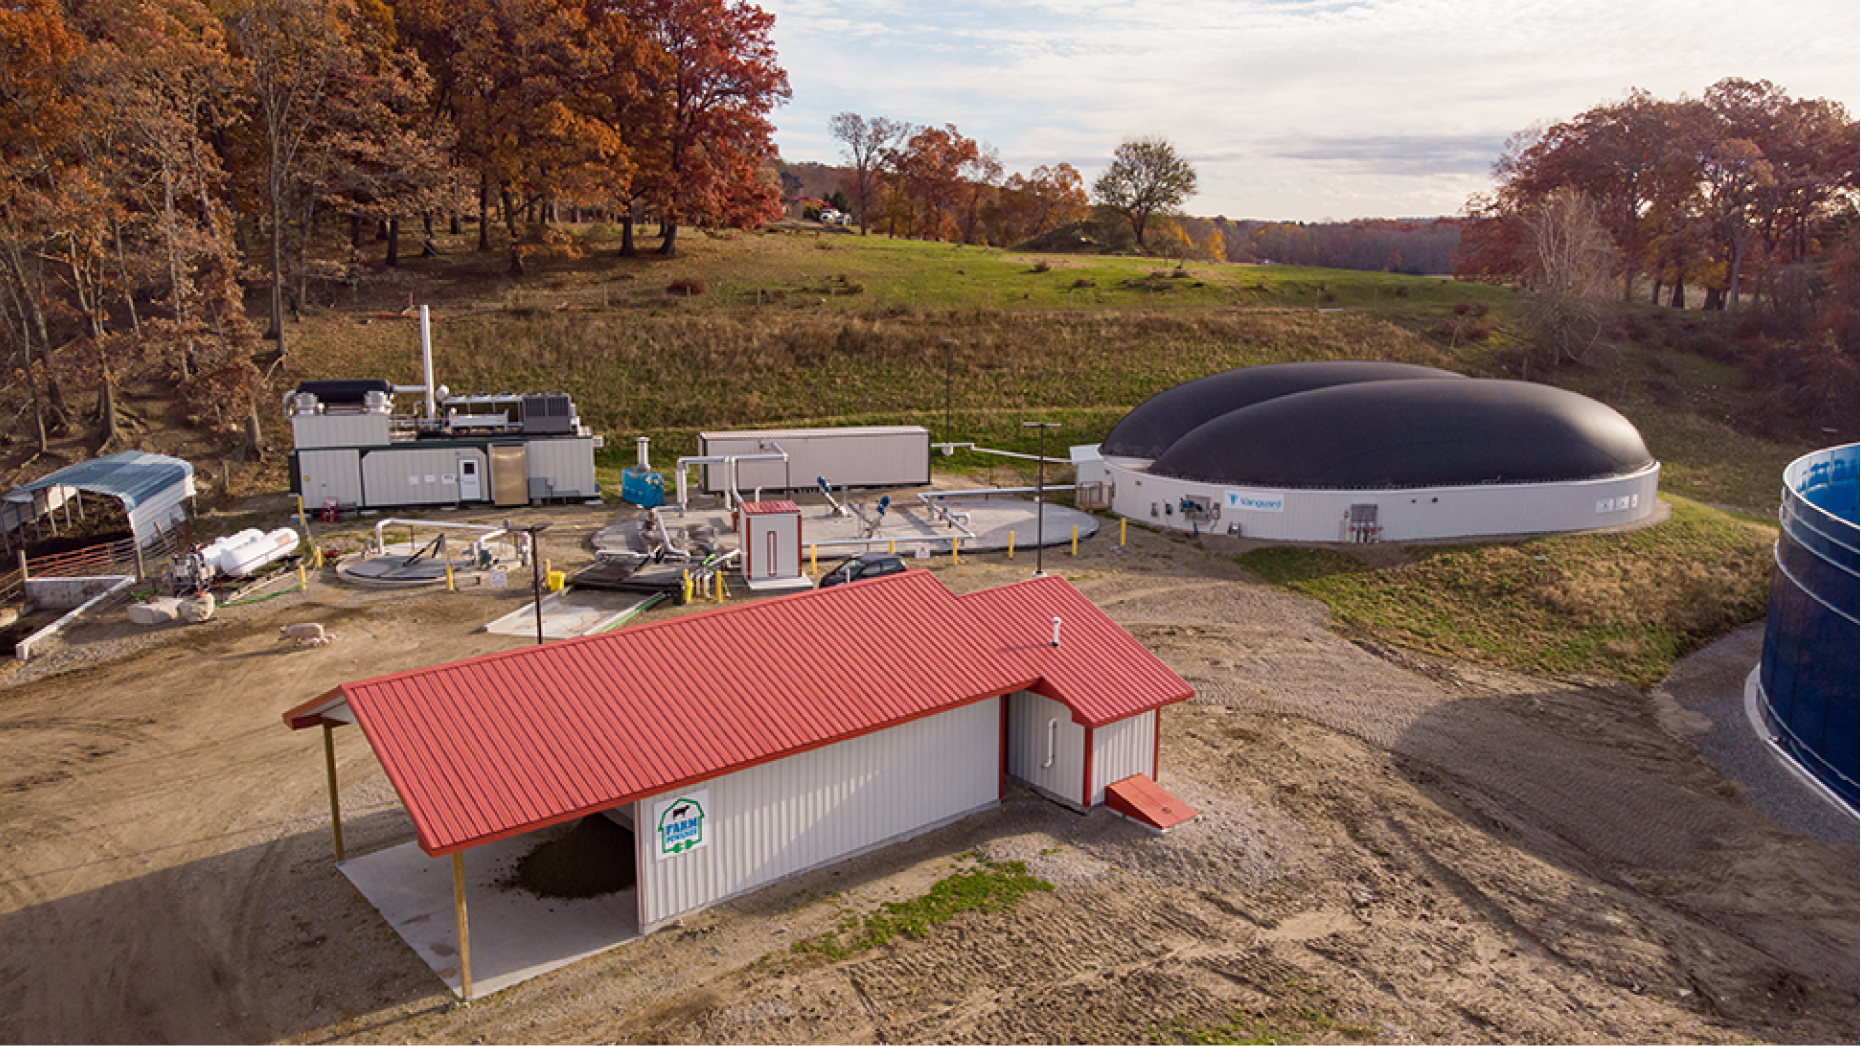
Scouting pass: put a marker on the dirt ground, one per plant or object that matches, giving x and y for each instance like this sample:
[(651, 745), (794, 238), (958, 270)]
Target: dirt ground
[(1391, 848)]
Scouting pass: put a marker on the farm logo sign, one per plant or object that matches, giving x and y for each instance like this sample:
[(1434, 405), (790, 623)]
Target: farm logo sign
[(679, 823)]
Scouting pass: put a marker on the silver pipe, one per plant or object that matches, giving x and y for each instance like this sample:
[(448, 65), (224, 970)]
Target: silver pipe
[(426, 361)]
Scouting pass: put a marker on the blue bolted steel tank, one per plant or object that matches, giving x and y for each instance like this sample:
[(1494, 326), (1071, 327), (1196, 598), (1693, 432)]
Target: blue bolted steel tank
[(1808, 677)]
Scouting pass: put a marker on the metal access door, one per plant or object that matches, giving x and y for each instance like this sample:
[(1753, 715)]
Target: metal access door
[(509, 484), (470, 488)]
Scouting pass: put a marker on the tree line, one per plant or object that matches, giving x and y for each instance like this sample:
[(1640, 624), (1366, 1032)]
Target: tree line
[(1741, 192), (155, 153), (935, 183)]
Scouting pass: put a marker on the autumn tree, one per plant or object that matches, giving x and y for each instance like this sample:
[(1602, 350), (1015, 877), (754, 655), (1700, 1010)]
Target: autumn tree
[(1042, 200), (1572, 264), (293, 51), (1146, 179), (865, 143), (717, 88), (40, 111), (536, 92), (931, 170), (1714, 190)]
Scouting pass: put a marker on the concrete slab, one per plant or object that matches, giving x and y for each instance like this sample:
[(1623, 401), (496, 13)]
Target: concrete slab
[(906, 526), (515, 935), (569, 614)]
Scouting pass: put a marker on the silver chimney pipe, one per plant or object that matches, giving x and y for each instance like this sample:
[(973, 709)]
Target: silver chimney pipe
[(426, 361), (642, 441), (1056, 631)]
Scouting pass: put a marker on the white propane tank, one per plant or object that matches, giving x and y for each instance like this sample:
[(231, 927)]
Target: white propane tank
[(213, 550), (243, 559)]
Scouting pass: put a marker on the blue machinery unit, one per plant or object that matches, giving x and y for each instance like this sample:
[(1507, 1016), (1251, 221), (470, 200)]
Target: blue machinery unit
[(1807, 679)]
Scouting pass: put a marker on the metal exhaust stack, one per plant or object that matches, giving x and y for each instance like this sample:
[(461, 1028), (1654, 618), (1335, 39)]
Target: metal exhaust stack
[(426, 361), (1056, 631), (642, 441)]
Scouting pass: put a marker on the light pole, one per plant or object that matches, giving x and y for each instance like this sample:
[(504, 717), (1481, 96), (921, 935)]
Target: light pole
[(1040, 493), (536, 570)]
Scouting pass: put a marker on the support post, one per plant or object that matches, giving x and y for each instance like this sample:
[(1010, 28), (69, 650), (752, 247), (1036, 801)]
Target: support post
[(329, 764), (1123, 524), (465, 934), (1011, 543), (1075, 541)]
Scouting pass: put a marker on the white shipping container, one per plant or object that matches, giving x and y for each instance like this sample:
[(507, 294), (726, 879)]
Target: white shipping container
[(876, 456)]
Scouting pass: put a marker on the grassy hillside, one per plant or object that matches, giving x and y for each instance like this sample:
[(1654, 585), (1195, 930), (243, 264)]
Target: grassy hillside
[(1624, 606), (790, 328)]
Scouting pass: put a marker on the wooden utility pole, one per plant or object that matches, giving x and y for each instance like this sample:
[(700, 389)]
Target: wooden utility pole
[(329, 763), (465, 936)]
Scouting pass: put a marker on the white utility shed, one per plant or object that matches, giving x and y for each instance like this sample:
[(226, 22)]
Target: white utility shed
[(754, 742)]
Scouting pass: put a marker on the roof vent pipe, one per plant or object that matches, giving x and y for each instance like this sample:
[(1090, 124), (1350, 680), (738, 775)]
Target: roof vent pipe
[(426, 361), (642, 441), (1056, 631)]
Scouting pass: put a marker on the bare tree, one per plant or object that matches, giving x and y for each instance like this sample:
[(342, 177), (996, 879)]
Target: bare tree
[(1573, 262), (866, 143), (1146, 179)]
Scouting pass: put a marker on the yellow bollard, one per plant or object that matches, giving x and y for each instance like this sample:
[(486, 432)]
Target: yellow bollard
[(1011, 543), (720, 586), (814, 562), (1122, 525), (1075, 541), (316, 556), (301, 521), (302, 581), (449, 583), (891, 546), (953, 542), (686, 574)]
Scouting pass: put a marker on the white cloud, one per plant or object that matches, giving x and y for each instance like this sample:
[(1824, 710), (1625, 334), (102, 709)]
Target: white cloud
[(1295, 109)]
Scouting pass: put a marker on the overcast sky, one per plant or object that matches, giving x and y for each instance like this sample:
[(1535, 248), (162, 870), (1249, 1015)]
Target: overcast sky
[(1290, 109)]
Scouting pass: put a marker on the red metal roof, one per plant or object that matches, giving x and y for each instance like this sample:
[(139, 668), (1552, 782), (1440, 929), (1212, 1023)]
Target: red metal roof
[(1098, 670), (498, 745), (768, 508)]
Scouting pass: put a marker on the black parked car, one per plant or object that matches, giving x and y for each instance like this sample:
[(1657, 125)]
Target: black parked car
[(859, 568)]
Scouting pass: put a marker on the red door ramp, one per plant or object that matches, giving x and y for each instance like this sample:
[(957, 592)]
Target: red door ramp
[(1145, 801)]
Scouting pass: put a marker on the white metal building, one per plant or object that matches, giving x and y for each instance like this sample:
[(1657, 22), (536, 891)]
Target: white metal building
[(754, 742), (872, 456), (513, 449)]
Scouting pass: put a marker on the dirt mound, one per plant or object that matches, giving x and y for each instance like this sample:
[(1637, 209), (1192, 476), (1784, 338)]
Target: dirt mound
[(593, 859)]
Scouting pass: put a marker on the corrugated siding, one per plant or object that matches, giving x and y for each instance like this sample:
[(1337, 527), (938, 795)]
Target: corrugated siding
[(893, 456), (158, 514), (330, 474), (400, 476), (1029, 716), (1121, 749), (797, 813), (568, 463), (309, 431)]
